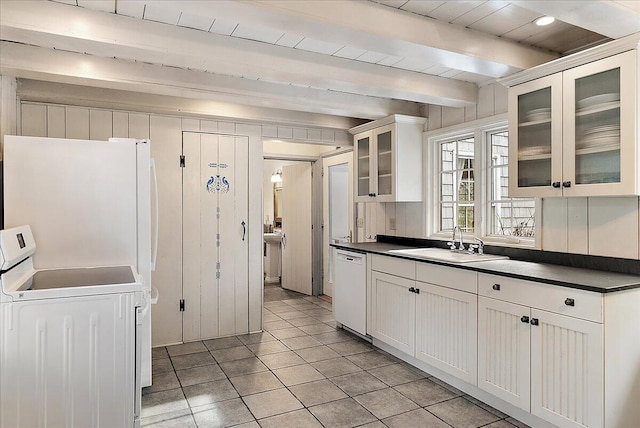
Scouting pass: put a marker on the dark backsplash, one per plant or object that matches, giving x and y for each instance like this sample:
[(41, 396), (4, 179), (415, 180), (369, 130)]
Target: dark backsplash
[(611, 264)]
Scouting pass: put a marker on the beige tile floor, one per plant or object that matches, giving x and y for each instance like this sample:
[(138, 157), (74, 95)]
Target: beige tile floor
[(301, 372)]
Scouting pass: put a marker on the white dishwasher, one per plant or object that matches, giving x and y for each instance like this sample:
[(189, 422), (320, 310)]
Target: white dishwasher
[(350, 290)]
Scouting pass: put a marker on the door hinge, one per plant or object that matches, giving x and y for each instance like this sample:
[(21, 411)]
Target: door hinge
[(181, 305), (181, 161)]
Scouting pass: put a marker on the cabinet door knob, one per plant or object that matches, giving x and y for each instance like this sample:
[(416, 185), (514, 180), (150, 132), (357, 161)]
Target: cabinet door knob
[(534, 321), (556, 184), (525, 319), (412, 290), (496, 287), (566, 184), (417, 291), (569, 301)]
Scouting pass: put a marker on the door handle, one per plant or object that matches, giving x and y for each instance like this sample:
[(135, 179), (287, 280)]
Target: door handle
[(244, 229), (525, 319), (566, 184), (556, 184), (534, 321)]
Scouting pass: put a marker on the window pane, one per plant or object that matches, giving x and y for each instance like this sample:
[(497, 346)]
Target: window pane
[(446, 217), (447, 156), (499, 183), (465, 218), (499, 148), (514, 218), (446, 187), (457, 184)]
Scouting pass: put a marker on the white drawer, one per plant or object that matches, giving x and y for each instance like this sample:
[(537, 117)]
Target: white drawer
[(394, 266), (458, 279), (553, 298)]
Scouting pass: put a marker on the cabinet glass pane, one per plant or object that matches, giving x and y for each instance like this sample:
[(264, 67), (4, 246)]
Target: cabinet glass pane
[(363, 166), (534, 138), (384, 163), (598, 128)]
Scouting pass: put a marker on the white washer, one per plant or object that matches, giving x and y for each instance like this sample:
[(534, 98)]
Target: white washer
[(69, 341)]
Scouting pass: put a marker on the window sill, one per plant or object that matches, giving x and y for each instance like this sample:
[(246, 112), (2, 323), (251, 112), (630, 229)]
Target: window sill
[(513, 242)]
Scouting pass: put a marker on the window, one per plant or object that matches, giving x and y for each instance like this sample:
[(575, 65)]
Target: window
[(457, 188), (471, 170), (507, 216)]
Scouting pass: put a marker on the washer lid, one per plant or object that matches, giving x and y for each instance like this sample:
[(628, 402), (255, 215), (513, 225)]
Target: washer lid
[(79, 277)]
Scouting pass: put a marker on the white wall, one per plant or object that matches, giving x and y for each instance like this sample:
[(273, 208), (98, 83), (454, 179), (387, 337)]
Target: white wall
[(602, 226), (270, 166)]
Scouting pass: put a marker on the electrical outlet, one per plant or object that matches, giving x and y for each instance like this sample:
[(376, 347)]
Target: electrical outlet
[(392, 224), (360, 222)]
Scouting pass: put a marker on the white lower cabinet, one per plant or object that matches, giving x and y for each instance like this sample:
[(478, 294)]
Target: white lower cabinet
[(393, 311), (567, 370), (446, 330), (433, 323), (548, 364), (536, 346), (504, 350)]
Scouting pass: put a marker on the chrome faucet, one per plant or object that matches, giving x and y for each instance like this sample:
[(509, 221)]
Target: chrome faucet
[(452, 243)]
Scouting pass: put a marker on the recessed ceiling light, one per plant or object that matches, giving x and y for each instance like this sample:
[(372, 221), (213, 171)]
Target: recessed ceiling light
[(545, 20)]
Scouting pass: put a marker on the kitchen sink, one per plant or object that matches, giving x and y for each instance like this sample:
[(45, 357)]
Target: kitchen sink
[(444, 255)]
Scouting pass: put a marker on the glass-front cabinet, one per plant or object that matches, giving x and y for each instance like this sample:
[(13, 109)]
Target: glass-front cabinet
[(574, 133), (387, 158), (375, 166), (536, 138)]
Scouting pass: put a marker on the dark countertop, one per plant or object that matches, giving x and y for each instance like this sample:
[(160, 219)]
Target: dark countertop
[(598, 281)]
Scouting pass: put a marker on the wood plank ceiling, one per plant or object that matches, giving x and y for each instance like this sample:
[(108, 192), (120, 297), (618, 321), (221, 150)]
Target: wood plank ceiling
[(351, 58)]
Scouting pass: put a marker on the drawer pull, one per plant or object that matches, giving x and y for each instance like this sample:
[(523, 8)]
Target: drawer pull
[(496, 287), (569, 302), (525, 319), (534, 321)]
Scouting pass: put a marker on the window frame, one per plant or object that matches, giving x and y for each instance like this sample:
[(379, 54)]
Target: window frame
[(480, 130)]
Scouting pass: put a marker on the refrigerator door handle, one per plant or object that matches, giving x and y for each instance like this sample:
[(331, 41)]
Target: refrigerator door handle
[(137, 409), (155, 214)]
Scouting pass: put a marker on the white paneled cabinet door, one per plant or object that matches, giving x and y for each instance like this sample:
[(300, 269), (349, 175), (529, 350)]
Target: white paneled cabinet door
[(447, 331), (567, 378), (215, 250), (393, 306), (296, 228), (504, 349)]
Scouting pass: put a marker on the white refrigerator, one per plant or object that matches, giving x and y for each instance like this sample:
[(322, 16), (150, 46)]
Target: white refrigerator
[(89, 203)]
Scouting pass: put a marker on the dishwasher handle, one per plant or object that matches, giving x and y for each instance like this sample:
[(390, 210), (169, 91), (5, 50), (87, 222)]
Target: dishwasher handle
[(349, 258)]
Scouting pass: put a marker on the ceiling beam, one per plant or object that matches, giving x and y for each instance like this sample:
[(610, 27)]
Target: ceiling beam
[(69, 67), (109, 35), (614, 19), (372, 26)]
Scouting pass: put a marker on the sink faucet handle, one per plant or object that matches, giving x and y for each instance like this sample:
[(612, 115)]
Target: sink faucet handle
[(480, 245), (452, 245)]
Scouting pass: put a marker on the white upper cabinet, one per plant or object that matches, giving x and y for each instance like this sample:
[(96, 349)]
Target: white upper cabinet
[(574, 131), (388, 159)]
